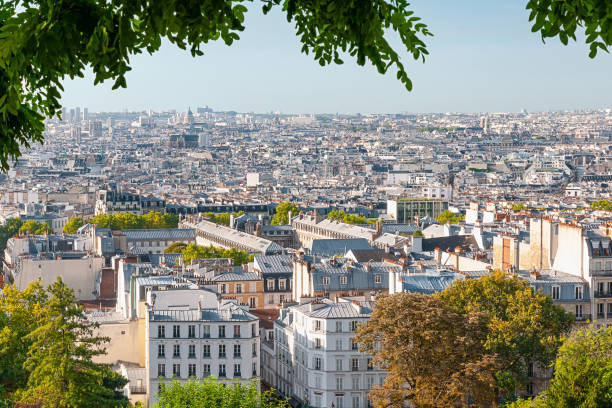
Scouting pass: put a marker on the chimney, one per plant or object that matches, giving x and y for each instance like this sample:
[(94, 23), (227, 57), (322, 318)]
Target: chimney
[(289, 216), (232, 221), (438, 255), (447, 229), (417, 244), (258, 228)]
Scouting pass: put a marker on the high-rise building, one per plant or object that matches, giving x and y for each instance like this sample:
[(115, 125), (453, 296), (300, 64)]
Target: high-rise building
[(75, 133), (95, 129), (72, 118), (77, 114), (85, 114)]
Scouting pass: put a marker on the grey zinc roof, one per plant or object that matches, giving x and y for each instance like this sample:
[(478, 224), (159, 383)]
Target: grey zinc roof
[(234, 276), (233, 314), (358, 278), (256, 244), (339, 310), (428, 284), (267, 264), (160, 234), (331, 247)]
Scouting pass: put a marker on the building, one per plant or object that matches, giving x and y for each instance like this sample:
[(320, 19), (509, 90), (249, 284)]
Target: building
[(409, 210), (277, 274), (317, 360), (333, 278), (111, 201), (246, 287), (193, 334), (209, 233)]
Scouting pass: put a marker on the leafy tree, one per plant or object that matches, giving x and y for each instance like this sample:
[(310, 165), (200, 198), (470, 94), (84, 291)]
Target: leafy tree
[(433, 354), (19, 313), (281, 216), (449, 216), (523, 326), (341, 216), (193, 251), (62, 373), (520, 206), (417, 233), (223, 218), (10, 228), (35, 227), (73, 225), (175, 248), (125, 220), (583, 372), (605, 205), (209, 393)]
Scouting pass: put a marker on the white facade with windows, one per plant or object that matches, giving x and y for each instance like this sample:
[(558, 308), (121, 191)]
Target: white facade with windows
[(199, 341), (317, 360)]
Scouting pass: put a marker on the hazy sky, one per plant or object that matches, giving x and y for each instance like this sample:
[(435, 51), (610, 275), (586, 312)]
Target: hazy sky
[(483, 58)]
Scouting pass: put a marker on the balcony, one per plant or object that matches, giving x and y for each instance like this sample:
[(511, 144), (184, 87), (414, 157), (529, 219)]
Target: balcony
[(603, 294), (138, 389), (583, 318)]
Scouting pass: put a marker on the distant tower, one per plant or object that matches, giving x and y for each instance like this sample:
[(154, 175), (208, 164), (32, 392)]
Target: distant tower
[(77, 114), (75, 134), (85, 114), (95, 129), (189, 117)]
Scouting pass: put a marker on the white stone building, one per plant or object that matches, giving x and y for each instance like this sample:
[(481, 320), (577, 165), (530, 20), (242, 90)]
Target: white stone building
[(317, 359), (207, 338)]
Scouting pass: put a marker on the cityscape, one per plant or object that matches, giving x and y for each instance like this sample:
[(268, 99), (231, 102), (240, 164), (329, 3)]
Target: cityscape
[(330, 211), (305, 204)]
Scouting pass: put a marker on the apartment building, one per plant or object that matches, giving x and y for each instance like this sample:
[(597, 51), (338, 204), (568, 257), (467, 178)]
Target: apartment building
[(210, 337), (317, 360)]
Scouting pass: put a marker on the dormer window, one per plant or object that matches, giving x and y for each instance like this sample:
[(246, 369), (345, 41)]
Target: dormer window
[(326, 280), (343, 280)]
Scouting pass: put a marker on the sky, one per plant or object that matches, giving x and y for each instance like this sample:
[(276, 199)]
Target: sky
[(483, 58)]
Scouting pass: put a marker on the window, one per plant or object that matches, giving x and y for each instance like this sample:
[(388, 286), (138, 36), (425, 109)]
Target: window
[(221, 331), (191, 369), (578, 311), (339, 326), (609, 311), (192, 351), (338, 364), (270, 283), (176, 351), (317, 325), (356, 401), (176, 370), (600, 310), (161, 370), (161, 331), (355, 381), (556, 292), (206, 351), (271, 299), (529, 389), (354, 345), (206, 371), (254, 330), (161, 351), (237, 370), (354, 325), (236, 350), (223, 288), (530, 370), (206, 331), (326, 280), (338, 344), (339, 401), (343, 280), (578, 292), (281, 284), (221, 350), (369, 364), (191, 331), (253, 302), (176, 331), (317, 363), (339, 383), (238, 288), (254, 349), (222, 371), (281, 298), (317, 343), (377, 278), (369, 382), (236, 330), (354, 364)]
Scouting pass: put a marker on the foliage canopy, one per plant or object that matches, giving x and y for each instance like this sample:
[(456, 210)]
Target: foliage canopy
[(124, 220), (193, 251), (281, 215)]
